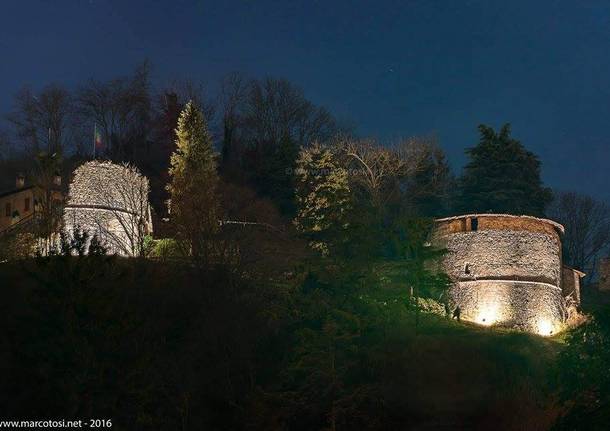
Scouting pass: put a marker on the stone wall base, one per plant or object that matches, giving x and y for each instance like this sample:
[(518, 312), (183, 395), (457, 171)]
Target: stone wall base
[(529, 306)]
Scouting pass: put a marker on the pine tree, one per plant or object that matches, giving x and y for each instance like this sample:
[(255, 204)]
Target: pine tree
[(323, 198), (193, 203), (96, 247), (502, 177)]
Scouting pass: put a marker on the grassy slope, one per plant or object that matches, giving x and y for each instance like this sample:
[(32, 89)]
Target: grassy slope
[(464, 374)]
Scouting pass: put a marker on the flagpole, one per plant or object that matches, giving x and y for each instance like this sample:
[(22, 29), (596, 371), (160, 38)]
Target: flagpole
[(94, 133)]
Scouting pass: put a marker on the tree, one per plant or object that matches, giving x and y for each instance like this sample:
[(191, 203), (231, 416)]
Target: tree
[(188, 90), (375, 178), (502, 177), (277, 120), (121, 111), (194, 204), (418, 259), (43, 121), (163, 145), (587, 224), (256, 237), (428, 185), (276, 110), (169, 104), (376, 170), (96, 247), (583, 366), (49, 205), (323, 198), (5, 146), (233, 94)]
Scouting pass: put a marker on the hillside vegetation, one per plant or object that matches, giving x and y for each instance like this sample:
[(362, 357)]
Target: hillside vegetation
[(159, 347), (292, 282)]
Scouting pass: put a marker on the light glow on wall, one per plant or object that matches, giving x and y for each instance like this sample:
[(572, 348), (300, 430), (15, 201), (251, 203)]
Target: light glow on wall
[(487, 315), (545, 327)]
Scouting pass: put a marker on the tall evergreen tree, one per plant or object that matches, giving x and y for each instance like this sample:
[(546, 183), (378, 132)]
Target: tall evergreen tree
[(502, 176), (194, 204), (323, 198)]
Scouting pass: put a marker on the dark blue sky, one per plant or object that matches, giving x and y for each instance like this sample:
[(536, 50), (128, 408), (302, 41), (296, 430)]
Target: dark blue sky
[(392, 68)]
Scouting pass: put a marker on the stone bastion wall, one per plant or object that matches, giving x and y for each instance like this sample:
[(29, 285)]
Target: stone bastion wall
[(506, 270), (110, 201), (101, 183)]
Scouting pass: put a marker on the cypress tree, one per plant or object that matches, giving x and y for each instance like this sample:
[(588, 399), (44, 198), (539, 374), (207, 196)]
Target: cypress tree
[(194, 205)]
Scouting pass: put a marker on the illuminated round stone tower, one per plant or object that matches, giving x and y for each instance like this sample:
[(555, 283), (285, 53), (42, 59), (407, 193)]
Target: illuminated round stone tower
[(111, 201), (506, 270)]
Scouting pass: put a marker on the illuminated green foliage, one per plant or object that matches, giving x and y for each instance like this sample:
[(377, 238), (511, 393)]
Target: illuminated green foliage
[(194, 204), (323, 198)]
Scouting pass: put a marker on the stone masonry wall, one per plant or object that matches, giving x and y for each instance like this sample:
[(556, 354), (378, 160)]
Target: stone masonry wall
[(504, 254), (507, 270), (570, 284), (111, 201), (532, 307), (109, 184), (102, 223)]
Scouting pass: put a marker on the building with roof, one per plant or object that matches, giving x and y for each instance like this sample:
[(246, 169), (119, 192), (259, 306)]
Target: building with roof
[(20, 205)]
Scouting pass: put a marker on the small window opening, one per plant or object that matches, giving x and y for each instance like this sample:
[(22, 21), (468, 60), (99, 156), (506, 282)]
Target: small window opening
[(26, 205), (474, 224), (467, 268), (7, 209)]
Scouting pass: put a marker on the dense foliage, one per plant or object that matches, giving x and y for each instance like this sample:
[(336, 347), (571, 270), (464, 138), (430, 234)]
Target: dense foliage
[(322, 198), (502, 177), (585, 381)]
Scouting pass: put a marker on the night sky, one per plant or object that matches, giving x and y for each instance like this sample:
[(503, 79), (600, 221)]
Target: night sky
[(391, 68)]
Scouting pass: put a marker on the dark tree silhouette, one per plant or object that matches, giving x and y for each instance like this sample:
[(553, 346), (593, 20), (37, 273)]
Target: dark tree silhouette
[(43, 121), (502, 176), (277, 121), (121, 110), (587, 223)]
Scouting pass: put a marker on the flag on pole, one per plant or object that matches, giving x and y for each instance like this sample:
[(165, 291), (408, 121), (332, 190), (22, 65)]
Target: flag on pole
[(98, 140), (98, 145)]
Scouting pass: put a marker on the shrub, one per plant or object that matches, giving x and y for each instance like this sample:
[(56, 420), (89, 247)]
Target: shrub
[(166, 248)]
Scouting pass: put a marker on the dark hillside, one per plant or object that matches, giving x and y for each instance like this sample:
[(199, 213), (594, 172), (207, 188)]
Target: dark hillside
[(154, 348)]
